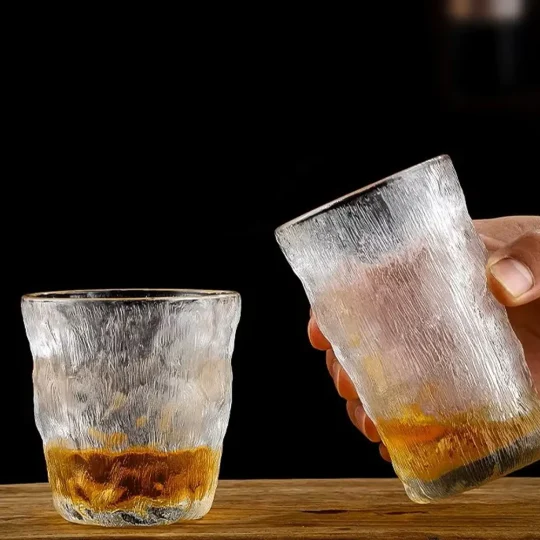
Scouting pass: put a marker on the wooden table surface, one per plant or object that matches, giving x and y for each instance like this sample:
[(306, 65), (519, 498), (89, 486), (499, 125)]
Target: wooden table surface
[(274, 509)]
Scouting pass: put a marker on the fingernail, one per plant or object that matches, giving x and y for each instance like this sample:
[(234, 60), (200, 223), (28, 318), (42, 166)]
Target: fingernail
[(335, 372), (370, 430), (513, 275), (384, 452), (359, 416)]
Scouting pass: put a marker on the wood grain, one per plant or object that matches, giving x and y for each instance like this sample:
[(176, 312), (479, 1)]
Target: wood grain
[(278, 509)]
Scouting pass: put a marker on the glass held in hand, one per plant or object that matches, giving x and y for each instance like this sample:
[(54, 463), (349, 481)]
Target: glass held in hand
[(395, 275)]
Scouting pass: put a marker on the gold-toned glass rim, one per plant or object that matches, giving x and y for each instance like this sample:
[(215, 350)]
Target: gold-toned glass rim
[(123, 295)]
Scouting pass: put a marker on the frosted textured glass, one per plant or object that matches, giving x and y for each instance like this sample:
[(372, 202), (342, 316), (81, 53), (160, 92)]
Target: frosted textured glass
[(132, 393), (395, 274)]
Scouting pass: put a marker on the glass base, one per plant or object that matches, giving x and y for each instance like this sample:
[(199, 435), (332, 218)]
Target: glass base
[(151, 515), (519, 454)]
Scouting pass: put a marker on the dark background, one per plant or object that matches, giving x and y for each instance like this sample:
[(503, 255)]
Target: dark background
[(162, 151)]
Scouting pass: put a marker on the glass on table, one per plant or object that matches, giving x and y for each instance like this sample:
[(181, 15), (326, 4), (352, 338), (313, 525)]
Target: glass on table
[(132, 395)]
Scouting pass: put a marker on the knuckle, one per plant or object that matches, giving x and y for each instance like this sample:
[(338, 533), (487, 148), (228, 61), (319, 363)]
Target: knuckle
[(527, 245)]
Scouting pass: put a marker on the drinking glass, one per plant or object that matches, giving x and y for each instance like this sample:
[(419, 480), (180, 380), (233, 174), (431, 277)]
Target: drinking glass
[(395, 275), (132, 394)]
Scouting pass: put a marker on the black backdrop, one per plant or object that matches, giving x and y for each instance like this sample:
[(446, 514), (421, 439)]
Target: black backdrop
[(147, 156)]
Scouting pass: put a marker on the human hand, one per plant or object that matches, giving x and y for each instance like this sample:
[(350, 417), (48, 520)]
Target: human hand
[(513, 275)]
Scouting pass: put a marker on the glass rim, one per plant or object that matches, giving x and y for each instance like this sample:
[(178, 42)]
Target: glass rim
[(353, 194), (128, 295)]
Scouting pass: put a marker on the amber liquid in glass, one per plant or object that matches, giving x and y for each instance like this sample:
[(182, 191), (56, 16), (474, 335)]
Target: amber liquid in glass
[(426, 448), (134, 479)]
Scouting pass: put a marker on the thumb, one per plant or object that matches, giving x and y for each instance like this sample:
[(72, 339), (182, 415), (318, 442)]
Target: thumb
[(514, 271)]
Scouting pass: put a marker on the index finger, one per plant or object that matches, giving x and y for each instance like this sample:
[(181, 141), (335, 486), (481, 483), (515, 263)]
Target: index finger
[(316, 337)]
